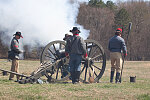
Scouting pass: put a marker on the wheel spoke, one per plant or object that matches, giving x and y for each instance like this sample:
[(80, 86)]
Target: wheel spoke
[(49, 56), (94, 71), (57, 72), (60, 46), (90, 50), (82, 69), (52, 53), (98, 61), (86, 48), (96, 67), (97, 56), (54, 47), (85, 74), (94, 51)]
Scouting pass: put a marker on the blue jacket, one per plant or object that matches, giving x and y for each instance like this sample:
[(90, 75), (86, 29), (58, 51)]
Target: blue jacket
[(116, 44)]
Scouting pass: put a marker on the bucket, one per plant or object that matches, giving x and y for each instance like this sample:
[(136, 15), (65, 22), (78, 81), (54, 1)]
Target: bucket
[(132, 78), (4, 73)]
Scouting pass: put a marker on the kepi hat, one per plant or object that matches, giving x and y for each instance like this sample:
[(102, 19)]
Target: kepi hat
[(118, 30)]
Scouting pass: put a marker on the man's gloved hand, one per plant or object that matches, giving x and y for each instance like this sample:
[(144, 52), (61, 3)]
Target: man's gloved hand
[(21, 51), (125, 54), (85, 55), (67, 54)]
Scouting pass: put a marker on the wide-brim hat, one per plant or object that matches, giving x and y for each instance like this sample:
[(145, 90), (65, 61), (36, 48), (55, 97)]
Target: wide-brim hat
[(75, 29), (18, 33), (66, 36)]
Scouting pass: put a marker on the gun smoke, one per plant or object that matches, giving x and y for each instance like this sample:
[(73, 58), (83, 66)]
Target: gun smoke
[(40, 21)]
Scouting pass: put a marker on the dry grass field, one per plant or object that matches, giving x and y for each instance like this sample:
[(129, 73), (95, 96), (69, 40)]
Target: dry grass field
[(140, 90)]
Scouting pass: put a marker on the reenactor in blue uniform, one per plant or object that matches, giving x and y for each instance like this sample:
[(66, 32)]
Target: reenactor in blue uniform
[(116, 46)]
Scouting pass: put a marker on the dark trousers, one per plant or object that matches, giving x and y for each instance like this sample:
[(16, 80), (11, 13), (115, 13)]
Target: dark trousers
[(75, 67), (75, 62)]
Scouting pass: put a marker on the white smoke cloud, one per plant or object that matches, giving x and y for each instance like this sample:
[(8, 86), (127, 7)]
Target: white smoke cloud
[(40, 21)]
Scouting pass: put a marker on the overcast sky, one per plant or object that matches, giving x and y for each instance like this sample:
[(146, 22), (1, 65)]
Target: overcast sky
[(111, 0), (120, 0)]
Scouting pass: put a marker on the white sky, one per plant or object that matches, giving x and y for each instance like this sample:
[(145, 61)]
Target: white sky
[(120, 0), (111, 0)]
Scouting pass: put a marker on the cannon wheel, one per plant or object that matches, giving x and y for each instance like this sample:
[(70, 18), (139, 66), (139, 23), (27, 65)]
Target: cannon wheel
[(94, 65), (49, 56), (96, 61), (49, 52)]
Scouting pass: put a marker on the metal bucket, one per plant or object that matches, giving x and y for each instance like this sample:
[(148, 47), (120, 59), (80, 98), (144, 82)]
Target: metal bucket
[(4, 73), (132, 79)]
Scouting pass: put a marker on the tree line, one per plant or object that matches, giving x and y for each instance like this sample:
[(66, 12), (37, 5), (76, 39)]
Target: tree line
[(102, 19)]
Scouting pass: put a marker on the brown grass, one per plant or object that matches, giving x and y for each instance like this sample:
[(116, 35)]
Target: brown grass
[(104, 90)]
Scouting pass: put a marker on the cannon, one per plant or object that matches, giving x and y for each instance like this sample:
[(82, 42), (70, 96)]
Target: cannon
[(95, 63), (55, 66)]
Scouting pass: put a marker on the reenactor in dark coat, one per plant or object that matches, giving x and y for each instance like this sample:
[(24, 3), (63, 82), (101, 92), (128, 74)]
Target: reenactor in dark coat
[(15, 54), (66, 37), (116, 46), (74, 49)]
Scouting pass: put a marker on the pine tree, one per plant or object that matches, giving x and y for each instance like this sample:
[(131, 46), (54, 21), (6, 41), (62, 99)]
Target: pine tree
[(97, 3), (122, 18), (111, 5)]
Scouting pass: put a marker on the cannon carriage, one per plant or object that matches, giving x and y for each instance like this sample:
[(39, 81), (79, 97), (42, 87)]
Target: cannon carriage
[(55, 66), (95, 63)]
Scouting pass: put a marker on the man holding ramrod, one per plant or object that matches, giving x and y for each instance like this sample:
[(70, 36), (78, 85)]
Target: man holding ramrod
[(116, 46)]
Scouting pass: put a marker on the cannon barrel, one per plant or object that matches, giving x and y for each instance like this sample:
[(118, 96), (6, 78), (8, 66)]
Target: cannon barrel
[(60, 53)]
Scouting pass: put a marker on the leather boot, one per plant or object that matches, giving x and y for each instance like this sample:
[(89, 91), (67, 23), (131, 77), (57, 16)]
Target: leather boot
[(117, 77), (77, 76), (111, 76), (73, 77)]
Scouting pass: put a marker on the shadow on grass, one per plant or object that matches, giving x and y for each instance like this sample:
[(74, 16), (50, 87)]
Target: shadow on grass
[(107, 86), (1, 94), (31, 97), (110, 86), (77, 89), (144, 97), (5, 81)]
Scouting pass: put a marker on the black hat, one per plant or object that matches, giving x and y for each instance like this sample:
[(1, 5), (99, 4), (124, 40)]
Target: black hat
[(19, 34), (66, 36), (75, 29)]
